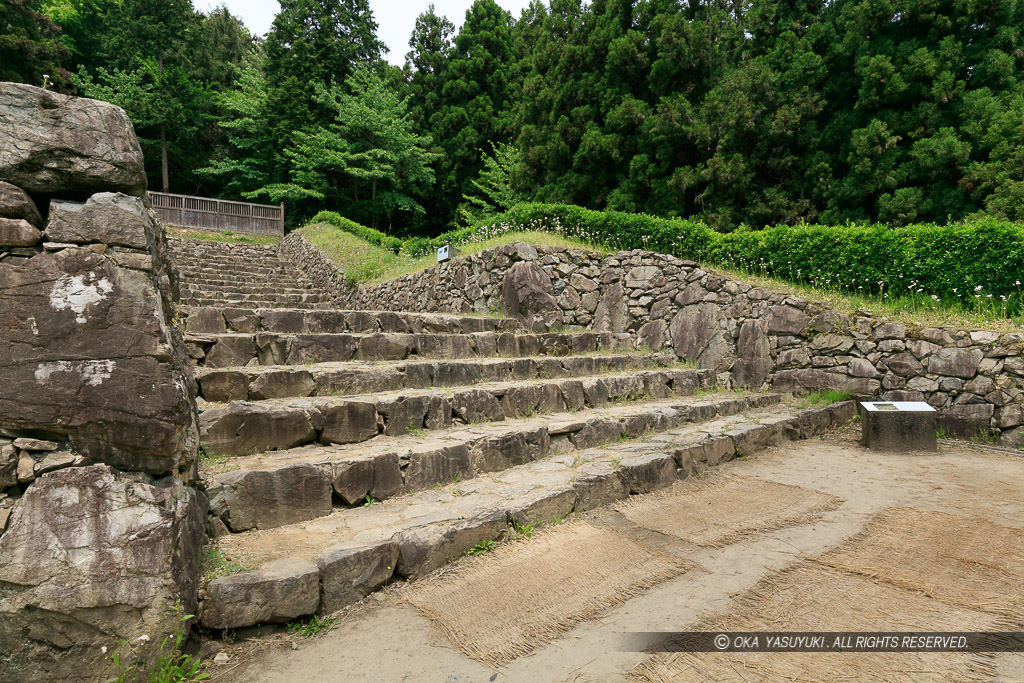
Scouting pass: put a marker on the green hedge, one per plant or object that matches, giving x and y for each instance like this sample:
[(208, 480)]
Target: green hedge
[(980, 260)]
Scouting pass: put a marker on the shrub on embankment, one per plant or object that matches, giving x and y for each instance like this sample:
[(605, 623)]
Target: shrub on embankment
[(973, 264)]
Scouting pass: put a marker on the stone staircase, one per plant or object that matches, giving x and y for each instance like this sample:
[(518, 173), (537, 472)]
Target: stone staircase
[(240, 275), (347, 449)]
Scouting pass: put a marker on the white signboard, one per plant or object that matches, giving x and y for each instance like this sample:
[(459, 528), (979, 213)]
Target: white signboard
[(442, 254)]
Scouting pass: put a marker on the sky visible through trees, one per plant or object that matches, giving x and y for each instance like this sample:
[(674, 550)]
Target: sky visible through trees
[(735, 112)]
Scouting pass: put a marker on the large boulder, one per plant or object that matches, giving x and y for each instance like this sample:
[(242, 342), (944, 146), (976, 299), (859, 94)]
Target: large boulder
[(612, 313), (17, 232), (106, 218), (528, 296), (754, 361), (281, 590), (15, 203), (956, 362), (87, 351), (93, 556), (239, 428), (967, 419), (264, 499), (697, 336), (56, 145), (350, 572)]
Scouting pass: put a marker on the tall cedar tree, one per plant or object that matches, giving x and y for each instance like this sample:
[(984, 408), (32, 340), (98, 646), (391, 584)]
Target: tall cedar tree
[(904, 78), (734, 111), (475, 107), (369, 162), (83, 30), (432, 41), (312, 44), (152, 42)]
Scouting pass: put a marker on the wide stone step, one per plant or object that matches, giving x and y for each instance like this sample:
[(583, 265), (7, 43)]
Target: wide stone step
[(279, 424), (222, 280), (271, 348), (252, 288), (226, 276), (268, 305), (204, 298), (275, 489), (342, 379), (246, 260), (253, 302), (224, 270), (215, 320), (216, 268), (324, 564)]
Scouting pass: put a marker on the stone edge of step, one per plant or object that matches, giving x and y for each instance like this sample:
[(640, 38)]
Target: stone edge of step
[(280, 424), (291, 588), (280, 348), (215, 320), (252, 383), (311, 486)]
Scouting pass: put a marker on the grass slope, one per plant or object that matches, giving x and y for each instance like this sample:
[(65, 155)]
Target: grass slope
[(363, 262)]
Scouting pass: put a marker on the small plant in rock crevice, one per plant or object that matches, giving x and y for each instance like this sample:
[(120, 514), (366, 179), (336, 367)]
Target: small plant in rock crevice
[(315, 626), (483, 547), (521, 531), (824, 398), (145, 660), (216, 564)]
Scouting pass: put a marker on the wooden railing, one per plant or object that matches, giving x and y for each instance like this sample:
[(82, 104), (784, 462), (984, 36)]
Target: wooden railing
[(219, 214)]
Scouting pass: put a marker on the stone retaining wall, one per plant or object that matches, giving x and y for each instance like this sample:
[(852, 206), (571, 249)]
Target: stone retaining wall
[(753, 337), (100, 532), (319, 269)]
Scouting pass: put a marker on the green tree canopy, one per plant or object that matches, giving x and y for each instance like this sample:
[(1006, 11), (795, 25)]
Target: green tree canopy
[(30, 46), (368, 162)]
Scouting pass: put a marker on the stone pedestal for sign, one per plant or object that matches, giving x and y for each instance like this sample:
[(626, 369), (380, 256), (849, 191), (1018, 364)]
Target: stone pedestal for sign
[(898, 426)]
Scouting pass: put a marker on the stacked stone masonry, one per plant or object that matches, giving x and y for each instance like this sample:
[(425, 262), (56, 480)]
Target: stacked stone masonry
[(348, 447), (241, 275), (100, 532), (338, 557), (752, 337)]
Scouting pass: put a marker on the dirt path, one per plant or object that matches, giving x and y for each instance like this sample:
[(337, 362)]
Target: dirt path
[(389, 640)]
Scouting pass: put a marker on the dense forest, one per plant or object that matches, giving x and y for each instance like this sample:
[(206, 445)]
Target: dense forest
[(733, 112)]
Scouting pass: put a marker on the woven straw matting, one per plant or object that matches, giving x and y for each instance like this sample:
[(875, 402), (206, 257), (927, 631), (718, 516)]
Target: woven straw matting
[(503, 605), (809, 597), (959, 560), (719, 511)]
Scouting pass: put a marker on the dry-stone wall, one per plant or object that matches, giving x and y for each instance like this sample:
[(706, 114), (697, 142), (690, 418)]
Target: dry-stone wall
[(324, 275), (753, 337), (98, 428)]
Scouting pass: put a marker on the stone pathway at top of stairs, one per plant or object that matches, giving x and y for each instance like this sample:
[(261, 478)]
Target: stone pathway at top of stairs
[(326, 563)]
